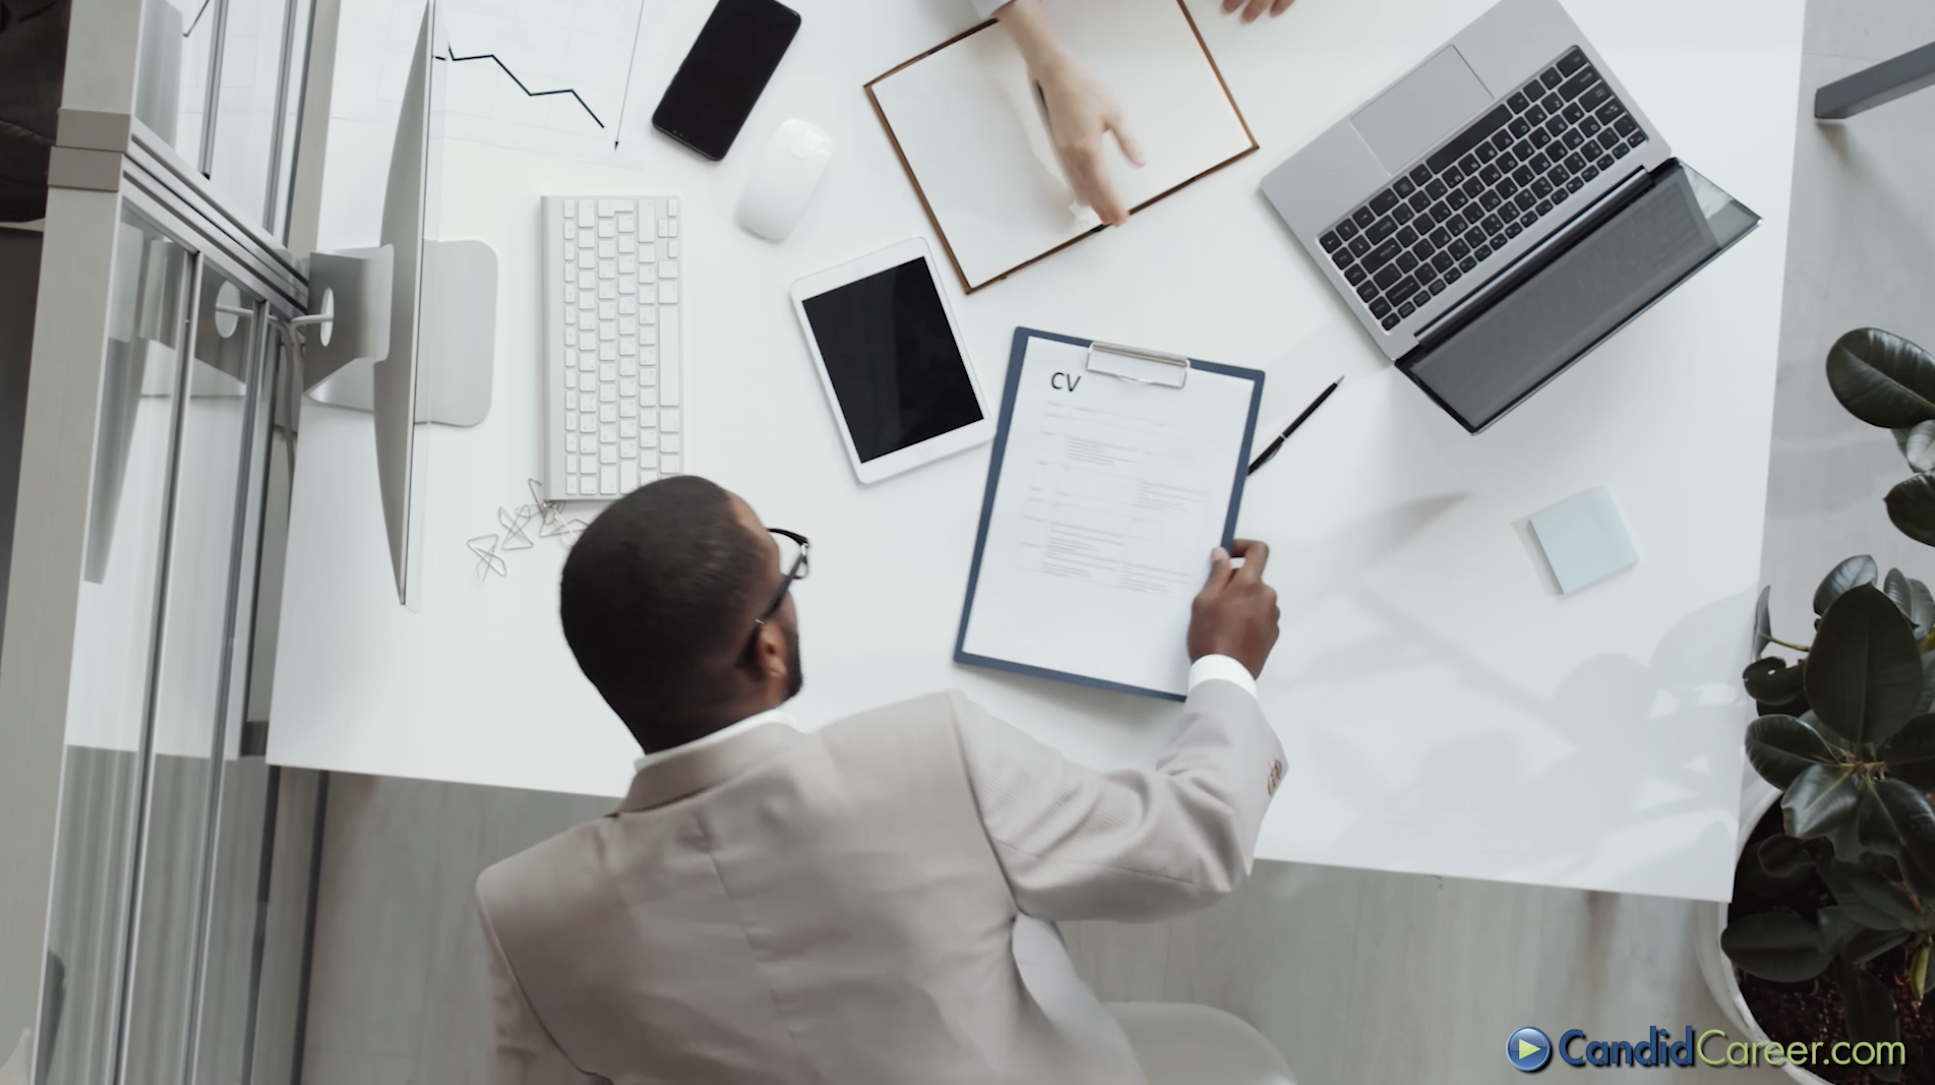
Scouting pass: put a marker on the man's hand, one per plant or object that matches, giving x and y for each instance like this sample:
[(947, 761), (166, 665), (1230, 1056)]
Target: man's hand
[(1236, 613), (1254, 8), (1081, 115)]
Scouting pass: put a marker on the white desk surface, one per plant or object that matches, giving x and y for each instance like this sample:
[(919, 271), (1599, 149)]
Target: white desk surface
[(1443, 709)]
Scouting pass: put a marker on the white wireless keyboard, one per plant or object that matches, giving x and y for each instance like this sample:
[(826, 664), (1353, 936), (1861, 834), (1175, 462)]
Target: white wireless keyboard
[(612, 289)]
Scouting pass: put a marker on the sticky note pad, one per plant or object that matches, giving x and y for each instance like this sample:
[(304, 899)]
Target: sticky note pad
[(1584, 539)]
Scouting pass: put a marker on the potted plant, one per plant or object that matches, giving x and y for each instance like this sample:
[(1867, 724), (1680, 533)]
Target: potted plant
[(1831, 894), (1832, 924), (1887, 381)]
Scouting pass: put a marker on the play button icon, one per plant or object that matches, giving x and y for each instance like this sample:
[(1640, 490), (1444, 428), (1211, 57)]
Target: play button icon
[(1528, 1049)]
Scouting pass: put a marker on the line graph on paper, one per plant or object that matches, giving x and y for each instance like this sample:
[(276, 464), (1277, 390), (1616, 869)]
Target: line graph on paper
[(556, 77), (450, 54), (561, 77)]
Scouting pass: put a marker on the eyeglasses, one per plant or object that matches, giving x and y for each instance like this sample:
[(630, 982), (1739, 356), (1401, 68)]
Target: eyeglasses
[(793, 564)]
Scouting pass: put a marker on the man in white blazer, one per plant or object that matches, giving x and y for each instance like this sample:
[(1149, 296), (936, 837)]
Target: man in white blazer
[(868, 904)]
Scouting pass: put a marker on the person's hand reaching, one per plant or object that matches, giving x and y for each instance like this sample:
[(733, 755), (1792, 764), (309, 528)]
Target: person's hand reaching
[(1236, 613), (1255, 8), (1082, 115)]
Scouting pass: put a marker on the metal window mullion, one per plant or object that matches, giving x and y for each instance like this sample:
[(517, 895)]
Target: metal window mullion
[(245, 512), (212, 99), (231, 258), (158, 169), (302, 107), (312, 906), (145, 750), (258, 942), (271, 372), (272, 197)]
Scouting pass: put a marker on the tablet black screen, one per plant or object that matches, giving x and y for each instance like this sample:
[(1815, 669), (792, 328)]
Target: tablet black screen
[(892, 360)]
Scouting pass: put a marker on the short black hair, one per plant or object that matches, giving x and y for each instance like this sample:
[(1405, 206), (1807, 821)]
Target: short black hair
[(655, 595)]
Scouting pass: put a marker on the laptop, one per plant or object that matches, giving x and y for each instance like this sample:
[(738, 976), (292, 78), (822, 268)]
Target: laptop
[(1501, 210)]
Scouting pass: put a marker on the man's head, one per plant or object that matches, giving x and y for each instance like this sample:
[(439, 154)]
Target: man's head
[(661, 599)]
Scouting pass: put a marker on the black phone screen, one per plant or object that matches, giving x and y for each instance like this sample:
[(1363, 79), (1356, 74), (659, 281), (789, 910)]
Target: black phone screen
[(715, 88)]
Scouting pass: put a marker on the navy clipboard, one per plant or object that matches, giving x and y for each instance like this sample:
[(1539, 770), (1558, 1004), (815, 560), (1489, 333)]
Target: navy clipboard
[(1148, 367)]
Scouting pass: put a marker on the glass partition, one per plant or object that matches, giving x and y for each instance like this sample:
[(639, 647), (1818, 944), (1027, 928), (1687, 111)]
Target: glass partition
[(191, 739), (254, 124), (171, 87), (151, 965), (220, 82), (115, 637)]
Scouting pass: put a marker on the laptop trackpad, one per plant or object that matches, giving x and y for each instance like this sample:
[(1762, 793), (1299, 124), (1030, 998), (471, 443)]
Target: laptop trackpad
[(1421, 112)]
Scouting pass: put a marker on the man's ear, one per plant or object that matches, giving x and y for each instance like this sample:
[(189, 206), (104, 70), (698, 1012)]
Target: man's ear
[(769, 652)]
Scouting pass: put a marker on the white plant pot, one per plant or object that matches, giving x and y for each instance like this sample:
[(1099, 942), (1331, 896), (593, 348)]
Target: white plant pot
[(1721, 979)]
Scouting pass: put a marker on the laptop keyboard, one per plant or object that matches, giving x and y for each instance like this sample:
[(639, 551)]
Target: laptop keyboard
[(1491, 182)]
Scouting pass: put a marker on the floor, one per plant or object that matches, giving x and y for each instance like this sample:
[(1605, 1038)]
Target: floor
[(1355, 976)]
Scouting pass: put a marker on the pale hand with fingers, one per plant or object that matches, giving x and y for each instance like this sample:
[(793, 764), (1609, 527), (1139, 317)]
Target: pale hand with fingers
[(1236, 613), (1082, 115), (1255, 8)]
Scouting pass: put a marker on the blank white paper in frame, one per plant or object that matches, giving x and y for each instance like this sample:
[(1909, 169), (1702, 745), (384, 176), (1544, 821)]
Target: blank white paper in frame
[(970, 128)]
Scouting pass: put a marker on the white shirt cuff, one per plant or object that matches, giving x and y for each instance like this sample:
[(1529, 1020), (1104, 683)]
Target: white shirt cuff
[(1210, 668)]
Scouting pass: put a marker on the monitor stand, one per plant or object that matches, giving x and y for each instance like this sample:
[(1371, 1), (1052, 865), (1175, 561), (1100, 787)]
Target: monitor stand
[(457, 340)]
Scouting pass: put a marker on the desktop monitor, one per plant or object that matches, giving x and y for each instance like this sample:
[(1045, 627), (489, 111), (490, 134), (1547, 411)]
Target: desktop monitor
[(406, 314), (395, 379), (362, 348)]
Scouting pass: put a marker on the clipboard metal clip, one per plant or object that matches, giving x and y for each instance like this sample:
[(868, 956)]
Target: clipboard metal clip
[(1138, 366)]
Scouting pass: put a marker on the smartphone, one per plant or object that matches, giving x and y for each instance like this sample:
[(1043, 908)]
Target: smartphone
[(721, 78)]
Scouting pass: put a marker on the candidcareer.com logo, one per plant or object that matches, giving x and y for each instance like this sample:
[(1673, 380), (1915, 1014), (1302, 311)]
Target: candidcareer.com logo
[(1529, 1049)]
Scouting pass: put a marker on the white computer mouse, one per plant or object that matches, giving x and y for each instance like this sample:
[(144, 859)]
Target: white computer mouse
[(782, 183)]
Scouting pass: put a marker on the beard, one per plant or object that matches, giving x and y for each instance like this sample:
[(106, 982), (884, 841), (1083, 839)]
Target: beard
[(796, 678)]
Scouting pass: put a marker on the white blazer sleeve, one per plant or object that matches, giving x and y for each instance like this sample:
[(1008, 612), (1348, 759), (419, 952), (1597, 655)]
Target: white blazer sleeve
[(522, 1050), (1135, 845)]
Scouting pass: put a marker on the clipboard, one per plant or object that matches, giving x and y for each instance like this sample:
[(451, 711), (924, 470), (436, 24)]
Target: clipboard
[(1094, 507)]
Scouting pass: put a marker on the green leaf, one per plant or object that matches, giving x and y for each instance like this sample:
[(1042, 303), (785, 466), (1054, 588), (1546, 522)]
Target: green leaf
[(1784, 857), (1911, 505), (1763, 622), (1917, 444), (1918, 973), (1851, 941), (1891, 812), (1771, 681), (1926, 701), (1921, 609), (1909, 755), (1917, 862), (1870, 899), (1882, 379), (1865, 672), (1860, 569), (1895, 587), (1779, 864), (1782, 747), (1775, 946), (1820, 800), (1870, 1012)]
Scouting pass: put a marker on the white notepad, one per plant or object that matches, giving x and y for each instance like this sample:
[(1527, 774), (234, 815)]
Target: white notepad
[(970, 129), (1105, 497)]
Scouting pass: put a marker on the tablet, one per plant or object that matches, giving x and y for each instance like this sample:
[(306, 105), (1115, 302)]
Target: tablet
[(891, 361)]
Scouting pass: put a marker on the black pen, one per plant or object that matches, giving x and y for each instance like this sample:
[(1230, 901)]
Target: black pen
[(1292, 428)]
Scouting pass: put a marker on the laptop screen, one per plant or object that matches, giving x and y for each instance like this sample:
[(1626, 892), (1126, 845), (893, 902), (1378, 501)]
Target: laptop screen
[(1559, 312)]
